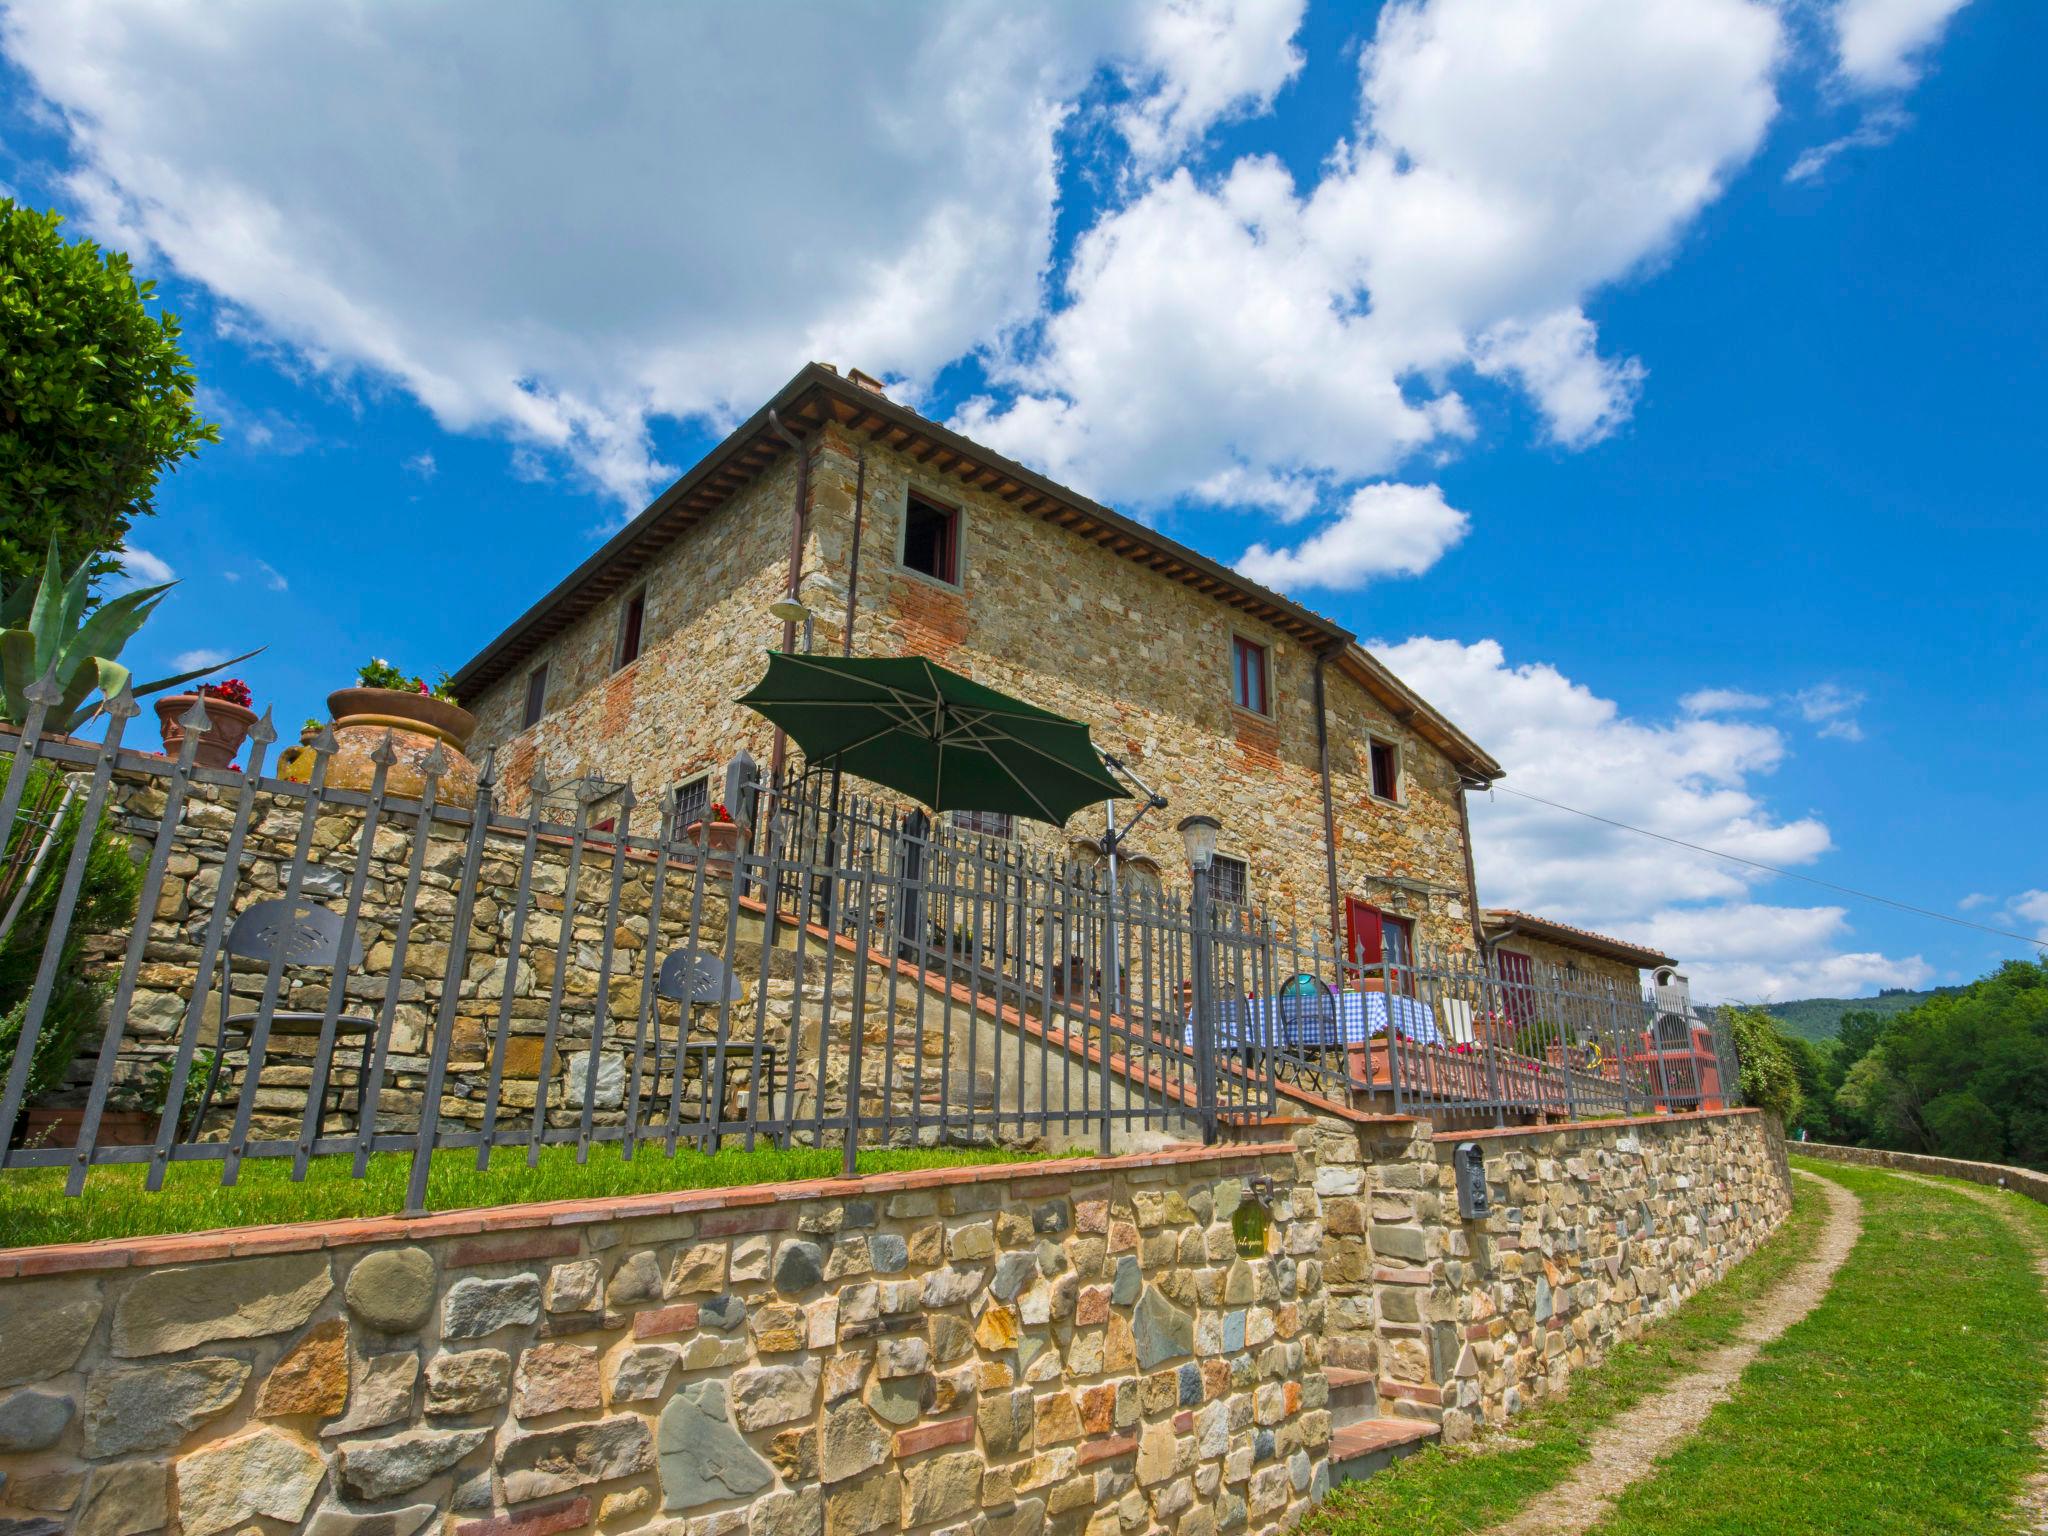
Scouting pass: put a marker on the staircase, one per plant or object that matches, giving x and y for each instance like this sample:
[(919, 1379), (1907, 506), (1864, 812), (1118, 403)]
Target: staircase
[(1363, 1443)]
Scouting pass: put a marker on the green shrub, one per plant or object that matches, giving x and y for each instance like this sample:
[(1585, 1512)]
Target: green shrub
[(1770, 1069)]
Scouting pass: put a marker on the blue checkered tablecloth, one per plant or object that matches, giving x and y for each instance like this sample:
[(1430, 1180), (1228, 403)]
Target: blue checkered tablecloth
[(1345, 1018)]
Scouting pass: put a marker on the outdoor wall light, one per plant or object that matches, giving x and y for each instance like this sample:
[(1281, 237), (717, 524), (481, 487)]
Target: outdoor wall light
[(1198, 835), (787, 610)]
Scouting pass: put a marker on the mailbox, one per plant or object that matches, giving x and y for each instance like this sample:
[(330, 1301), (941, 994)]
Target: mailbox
[(1469, 1163)]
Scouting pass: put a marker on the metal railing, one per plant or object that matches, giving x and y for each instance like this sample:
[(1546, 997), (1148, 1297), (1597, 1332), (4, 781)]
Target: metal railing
[(323, 970), (326, 971), (1452, 1035)]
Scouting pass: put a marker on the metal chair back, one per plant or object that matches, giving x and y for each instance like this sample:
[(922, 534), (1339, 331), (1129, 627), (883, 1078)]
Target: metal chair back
[(692, 976), (306, 932)]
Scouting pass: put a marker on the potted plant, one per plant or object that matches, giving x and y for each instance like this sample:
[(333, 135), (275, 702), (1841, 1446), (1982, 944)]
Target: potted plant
[(419, 720), (228, 719), (720, 838), (385, 696), (310, 731)]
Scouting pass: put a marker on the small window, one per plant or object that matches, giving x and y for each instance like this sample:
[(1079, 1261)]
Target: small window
[(536, 696), (1229, 879), (931, 540), (632, 618), (984, 823), (693, 801), (1248, 675), (1386, 771)]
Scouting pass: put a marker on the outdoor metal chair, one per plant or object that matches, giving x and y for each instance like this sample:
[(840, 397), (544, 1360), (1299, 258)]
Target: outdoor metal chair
[(309, 936), (695, 979)]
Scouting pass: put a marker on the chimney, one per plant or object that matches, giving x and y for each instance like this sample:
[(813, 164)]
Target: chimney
[(867, 381)]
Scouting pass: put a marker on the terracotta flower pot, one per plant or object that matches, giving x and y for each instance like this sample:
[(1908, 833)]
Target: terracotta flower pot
[(398, 709), (721, 841), (227, 728), (416, 722)]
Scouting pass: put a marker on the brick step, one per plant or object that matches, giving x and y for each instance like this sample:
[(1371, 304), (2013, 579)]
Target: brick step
[(1354, 1395), (1373, 1445)]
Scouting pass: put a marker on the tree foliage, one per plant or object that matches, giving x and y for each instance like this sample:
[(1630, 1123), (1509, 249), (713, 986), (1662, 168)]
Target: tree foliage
[(1770, 1065), (1962, 1075), (95, 397)]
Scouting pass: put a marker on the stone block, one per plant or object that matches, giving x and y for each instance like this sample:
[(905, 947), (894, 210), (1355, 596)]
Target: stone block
[(702, 1458), (32, 1421), (127, 1499), (392, 1291), (163, 1311), (774, 1394), (140, 1408), (468, 1382), (312, 1380), (555, 1378), (44, 1327), (380, 1393), (475, 1308), (539, 1463), (263, 1473), (373, 1470)]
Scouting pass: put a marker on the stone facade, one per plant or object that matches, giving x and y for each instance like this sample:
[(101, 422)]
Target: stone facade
[(1039, 611), (1573, 967), (1093, 1346)]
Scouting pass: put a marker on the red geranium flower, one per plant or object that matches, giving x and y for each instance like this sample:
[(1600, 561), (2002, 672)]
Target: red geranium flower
[(231, 690)]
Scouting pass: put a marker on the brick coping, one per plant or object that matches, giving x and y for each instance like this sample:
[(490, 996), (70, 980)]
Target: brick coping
[(348, 1232), (1501, 1133)]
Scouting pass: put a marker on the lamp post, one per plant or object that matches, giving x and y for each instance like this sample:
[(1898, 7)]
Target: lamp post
[(1198, 836)]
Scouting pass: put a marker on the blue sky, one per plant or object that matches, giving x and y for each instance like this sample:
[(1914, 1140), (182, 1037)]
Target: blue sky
[(1658, 386)]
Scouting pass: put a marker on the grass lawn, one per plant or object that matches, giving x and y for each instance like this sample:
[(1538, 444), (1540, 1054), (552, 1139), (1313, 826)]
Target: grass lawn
[(1458, 1489), (1904, 1403), (34, 1208)]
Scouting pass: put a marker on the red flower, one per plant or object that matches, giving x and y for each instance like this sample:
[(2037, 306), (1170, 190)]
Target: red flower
[(231, 691), (719, 812)]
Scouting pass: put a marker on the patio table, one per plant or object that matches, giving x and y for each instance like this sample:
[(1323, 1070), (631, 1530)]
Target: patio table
[(1346, 1018)]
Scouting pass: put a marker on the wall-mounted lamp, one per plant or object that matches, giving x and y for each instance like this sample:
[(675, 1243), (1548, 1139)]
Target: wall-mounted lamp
[(788, 610)]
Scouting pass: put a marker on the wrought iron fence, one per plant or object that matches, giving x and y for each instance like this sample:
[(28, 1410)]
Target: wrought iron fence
[(325, 969), (1452, 1035), (319, 970)]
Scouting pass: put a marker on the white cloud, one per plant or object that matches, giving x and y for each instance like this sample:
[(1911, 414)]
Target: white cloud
[(1384, 530), (1878, 126), (1721, 701), (1974, 900), (1509, 158), (140, 568), (422, 464), (272, 577), (1749, 952), (1288, 497), (205, 658), (1880, 44), (1202, 61), (1832, 708), (1584, 396), (2032, 907), (1695, 778)]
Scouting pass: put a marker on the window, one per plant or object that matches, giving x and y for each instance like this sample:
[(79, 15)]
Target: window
[(984, 823), (931, 540), (536, 696), (1230, 879), (693, 801), (631, 620), (1248, 675), (1386, 771)]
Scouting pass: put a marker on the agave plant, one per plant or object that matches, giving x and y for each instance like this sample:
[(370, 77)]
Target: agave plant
[(45, 631)]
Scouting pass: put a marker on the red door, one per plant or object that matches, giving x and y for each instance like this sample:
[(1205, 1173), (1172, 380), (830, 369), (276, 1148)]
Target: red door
[(1364, 935)]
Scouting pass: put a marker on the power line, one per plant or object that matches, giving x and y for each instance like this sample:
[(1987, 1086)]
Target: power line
[(1772, 869)]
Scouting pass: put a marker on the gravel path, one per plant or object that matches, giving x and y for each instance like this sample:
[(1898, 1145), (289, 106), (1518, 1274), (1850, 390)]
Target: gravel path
[(1627, 1450), (2033, 1502)]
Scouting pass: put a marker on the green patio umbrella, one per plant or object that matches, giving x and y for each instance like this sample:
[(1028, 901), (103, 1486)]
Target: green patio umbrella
[(941, 738)]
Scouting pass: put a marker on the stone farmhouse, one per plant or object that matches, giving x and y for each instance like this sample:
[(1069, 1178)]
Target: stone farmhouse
[(1523, 944), (1341, 792)]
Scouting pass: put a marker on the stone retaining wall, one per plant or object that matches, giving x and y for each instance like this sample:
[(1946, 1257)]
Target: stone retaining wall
[(2028, 1181), (1595, 1230), (1098, 1346)]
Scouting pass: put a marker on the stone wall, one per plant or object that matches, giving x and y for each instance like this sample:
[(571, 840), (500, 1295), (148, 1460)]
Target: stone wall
[(1041, 612), (1596, 1229), (2030, 1182), (1091, 1347)]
